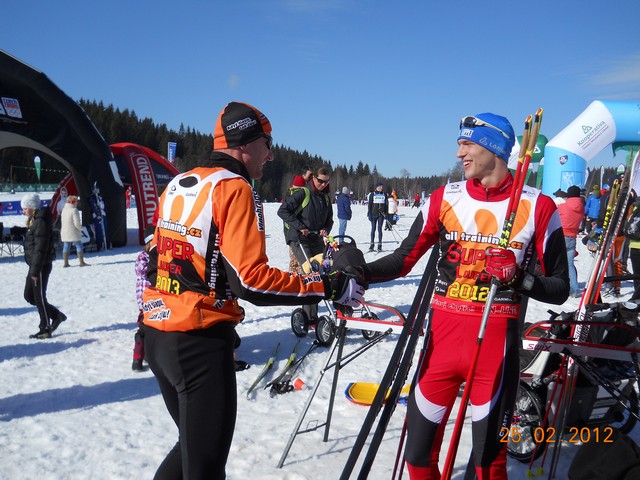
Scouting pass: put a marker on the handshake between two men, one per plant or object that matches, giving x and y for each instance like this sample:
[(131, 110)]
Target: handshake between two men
[(345, 285)]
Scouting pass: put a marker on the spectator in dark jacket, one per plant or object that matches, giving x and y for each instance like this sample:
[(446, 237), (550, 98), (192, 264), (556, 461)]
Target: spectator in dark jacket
[(344, 211), (308, 217), (377, 206), (39, 254)]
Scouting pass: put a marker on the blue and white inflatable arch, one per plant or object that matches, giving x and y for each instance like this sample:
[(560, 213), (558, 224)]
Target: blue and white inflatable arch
[(601, 124)]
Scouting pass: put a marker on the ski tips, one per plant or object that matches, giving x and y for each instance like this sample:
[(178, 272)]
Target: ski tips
[(527, 122)]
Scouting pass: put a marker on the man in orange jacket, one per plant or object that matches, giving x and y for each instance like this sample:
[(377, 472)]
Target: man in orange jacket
[(209, 249)]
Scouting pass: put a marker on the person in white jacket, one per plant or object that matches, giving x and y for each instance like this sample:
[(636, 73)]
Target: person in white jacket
[(71, 230)]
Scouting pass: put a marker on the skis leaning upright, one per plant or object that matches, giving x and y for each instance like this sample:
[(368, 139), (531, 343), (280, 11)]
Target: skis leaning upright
[(613, 221)]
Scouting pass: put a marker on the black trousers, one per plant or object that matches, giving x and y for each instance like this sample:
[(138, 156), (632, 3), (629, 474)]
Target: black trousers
[(35, 293), (196, 374), (376, 224)]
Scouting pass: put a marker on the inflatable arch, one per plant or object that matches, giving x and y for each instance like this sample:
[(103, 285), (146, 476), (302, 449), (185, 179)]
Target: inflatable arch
[(142, 169), (601, 124), (35, 113)]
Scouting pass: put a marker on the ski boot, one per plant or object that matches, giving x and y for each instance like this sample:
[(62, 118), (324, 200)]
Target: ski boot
[(42, 334)]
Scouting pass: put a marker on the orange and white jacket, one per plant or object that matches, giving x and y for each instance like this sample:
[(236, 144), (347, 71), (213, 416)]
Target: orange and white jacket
[(209, 250)]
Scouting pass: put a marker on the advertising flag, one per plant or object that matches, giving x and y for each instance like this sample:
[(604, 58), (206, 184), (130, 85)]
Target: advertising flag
[(171, 151), (36, 162)]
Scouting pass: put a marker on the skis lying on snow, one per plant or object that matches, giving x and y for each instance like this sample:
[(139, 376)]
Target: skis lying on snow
[(286, 367), (363, 393), (613, 221), (264, 371), (282, 383)]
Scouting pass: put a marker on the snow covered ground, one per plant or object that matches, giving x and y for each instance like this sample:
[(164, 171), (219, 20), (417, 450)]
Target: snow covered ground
[(71, 408)]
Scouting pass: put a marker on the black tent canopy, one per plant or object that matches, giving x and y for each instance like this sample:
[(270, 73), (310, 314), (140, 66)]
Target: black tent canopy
[(35, 113)]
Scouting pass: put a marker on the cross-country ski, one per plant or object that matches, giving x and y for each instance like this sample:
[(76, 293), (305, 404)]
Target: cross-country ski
[(265, 370)]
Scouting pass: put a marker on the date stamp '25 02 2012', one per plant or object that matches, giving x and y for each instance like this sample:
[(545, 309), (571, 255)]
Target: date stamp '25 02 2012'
[(549, 435)]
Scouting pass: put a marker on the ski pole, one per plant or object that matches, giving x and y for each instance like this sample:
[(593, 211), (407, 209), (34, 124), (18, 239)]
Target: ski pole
[(514, 200), (396, 363), (400, 460)]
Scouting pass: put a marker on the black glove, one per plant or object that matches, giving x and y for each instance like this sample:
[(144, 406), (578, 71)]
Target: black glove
[(343, 288), (358, 273)]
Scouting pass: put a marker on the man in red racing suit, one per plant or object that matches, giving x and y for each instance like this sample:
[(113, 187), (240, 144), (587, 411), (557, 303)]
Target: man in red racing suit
[(466, 218)]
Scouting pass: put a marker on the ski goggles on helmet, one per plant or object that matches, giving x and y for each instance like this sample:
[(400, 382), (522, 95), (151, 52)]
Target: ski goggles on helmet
[(471, 122)]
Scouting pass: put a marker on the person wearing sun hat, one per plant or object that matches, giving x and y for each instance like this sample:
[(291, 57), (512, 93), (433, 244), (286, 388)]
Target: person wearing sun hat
[(464, 219), (208, 251), (39, 254)]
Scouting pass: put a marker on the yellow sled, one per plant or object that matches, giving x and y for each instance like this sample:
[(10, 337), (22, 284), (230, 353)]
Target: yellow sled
[(363, 393)]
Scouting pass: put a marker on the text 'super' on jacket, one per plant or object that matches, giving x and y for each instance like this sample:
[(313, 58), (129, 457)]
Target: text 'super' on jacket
[(465, 218), (209, 250), (315, 216), (38, 242)]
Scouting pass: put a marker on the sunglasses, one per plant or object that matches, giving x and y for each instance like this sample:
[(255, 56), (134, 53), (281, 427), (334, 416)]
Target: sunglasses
[(268, 140), (471, 122), (321, 181)]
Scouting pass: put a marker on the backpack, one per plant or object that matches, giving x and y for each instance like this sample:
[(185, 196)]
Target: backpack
[(632, 225), (616, 459)]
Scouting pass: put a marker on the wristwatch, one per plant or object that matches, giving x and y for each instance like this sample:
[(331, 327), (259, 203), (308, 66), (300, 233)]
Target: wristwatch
[(527, 281)]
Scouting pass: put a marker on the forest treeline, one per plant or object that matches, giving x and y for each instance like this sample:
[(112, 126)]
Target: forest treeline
[(116, 126)]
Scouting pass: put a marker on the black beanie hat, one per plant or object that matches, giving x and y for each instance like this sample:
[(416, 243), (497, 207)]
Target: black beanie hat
[(239, 124), (573, 191)]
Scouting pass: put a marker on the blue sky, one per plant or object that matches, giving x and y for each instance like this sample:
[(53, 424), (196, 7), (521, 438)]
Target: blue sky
[(385, 83)]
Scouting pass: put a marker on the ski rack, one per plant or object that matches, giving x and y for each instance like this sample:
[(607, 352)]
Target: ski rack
[(386, 327), (373, 324), (579, 348)]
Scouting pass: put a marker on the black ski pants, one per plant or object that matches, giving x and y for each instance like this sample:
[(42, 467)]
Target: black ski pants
[(196, 374), (376, 225), (35, 293)]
